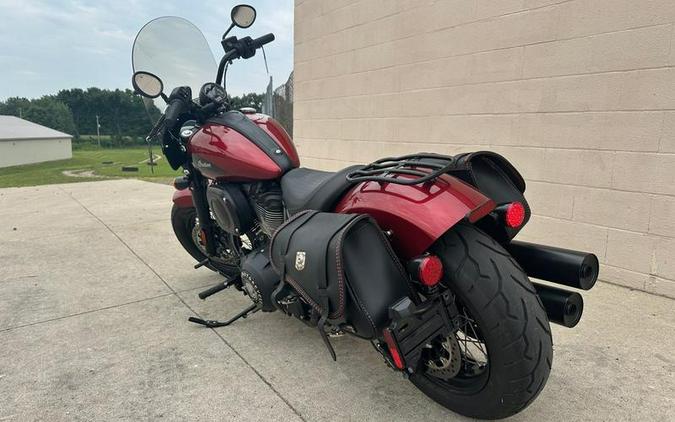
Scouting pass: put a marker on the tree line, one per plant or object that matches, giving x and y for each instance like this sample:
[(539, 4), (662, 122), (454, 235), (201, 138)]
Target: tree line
[(121, 113)]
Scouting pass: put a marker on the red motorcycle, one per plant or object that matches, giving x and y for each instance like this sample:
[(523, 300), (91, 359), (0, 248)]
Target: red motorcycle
[(414, 254)]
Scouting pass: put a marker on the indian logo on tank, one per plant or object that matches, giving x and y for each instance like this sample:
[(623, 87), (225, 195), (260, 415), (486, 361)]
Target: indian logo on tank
[(300, 260), (203, 163)]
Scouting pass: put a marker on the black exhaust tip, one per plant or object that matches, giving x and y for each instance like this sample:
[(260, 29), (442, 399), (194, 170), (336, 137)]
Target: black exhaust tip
[(562, 307), (563, 266)]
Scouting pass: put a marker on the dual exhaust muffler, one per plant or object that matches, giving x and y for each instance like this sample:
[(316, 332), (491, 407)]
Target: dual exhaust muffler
[(561, 266)]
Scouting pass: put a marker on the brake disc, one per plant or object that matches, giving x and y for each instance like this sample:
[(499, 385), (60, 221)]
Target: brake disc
[(447, 363)]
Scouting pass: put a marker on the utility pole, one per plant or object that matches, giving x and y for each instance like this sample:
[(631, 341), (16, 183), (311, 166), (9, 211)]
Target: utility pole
[(98, 132), (20, 113)]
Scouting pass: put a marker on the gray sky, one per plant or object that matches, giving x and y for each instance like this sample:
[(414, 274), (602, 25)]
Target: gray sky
[(47, 45)]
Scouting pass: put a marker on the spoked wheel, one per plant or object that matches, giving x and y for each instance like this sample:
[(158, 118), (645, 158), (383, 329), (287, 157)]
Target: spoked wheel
[(230, 248), (499, 358), (459, 356)]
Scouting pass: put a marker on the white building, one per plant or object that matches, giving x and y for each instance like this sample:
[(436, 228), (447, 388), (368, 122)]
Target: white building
[(579, 95), (24, 142)]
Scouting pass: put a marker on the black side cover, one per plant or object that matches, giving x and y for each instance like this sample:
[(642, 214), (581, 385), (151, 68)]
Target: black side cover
[(497, 179), (348, 257), (492, 174), (242, 124), (230, 208)]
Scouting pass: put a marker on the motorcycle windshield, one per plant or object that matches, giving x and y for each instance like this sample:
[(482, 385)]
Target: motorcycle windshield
[(176, 51)]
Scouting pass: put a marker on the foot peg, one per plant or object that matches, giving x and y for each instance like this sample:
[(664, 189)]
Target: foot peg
[(218, 287), (214, 323), (201, 263)]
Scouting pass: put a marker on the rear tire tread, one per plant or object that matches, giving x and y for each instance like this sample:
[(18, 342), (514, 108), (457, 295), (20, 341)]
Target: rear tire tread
[(482, 272)]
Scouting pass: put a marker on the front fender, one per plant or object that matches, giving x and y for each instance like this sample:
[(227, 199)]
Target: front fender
[(417, 215), (183, 198)]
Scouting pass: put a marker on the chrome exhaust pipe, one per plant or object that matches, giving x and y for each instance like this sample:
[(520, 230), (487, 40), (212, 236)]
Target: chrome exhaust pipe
[(562, 307), (563, 266)]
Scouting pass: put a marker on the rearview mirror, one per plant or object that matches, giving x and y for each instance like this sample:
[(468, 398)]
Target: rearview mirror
[(147, 84), (243, 15)]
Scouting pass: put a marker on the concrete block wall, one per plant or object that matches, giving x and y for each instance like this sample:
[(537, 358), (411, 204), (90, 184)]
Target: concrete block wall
[(578, 94)]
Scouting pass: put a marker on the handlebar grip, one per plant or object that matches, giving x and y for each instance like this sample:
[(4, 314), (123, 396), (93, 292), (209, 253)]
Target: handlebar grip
[(259, 42)]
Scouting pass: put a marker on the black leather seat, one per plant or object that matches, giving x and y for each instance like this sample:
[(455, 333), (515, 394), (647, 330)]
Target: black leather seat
[(307, 189)]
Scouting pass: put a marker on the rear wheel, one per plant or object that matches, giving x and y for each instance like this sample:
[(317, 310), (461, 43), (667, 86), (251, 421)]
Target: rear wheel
[(498, 361), (186, 227)]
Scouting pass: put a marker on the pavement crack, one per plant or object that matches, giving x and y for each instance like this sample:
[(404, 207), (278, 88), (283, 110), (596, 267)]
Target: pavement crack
[(175, 293), (2, 330)]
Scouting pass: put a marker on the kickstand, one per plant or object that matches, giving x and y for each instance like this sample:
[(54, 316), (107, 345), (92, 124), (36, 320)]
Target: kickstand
[(213, 323)]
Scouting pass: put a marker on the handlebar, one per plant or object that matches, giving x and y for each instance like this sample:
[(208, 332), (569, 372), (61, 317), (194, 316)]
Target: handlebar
[(265, 39), (242, 48)]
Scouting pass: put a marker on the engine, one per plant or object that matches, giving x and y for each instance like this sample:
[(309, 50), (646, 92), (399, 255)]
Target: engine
[(268, 205)]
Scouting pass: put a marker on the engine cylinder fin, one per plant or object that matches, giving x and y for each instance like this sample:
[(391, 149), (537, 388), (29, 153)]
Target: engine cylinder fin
[(268, 206)]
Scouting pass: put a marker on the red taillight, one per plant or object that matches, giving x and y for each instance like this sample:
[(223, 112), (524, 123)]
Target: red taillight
[(514, 215), (393, 349), (430, 270)]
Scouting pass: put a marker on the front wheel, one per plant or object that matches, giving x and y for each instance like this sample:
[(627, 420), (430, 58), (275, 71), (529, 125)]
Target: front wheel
[(498, 361), (186, 228)]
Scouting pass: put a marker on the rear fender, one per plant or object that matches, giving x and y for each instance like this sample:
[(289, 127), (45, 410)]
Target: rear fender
[(417, 215), (183, 198)]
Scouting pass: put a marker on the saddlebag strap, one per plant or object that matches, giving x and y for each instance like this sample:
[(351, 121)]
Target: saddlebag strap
[(321, 326), (322, 286)]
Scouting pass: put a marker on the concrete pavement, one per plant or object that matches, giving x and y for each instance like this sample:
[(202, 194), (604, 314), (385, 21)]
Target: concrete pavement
[(95, 293)]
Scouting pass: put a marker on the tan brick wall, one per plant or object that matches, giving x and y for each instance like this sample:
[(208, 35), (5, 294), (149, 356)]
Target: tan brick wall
[(578, 94)]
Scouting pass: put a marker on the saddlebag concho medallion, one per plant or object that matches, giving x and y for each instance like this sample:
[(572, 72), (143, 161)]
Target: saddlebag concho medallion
[(300, 260)]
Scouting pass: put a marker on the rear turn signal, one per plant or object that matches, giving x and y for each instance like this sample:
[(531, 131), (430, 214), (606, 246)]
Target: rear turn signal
[(393, 349), (514, 215)]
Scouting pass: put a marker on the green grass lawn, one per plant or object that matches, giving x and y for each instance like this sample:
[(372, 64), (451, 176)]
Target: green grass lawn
[(89, 160)]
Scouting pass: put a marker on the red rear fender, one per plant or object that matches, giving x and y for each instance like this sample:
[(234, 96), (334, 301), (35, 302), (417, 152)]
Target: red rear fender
[(417, 215)]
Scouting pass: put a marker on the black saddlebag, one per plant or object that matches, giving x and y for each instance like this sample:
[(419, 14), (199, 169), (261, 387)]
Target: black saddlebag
[(343, 266)]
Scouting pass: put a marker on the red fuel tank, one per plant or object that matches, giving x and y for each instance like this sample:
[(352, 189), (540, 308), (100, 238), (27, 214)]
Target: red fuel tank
[(229, 148)]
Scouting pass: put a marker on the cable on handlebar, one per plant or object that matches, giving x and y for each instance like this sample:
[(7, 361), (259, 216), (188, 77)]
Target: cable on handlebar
[(223, 63)]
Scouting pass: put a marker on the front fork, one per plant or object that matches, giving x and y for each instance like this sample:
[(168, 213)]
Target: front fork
[(198, 186)]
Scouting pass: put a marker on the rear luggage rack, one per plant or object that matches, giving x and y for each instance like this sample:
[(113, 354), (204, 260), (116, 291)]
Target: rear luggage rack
[(424, 168)]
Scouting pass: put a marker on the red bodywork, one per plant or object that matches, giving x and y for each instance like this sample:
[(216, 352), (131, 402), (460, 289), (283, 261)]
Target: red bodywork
[(417, 215), (233, 157), (230, 156)]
